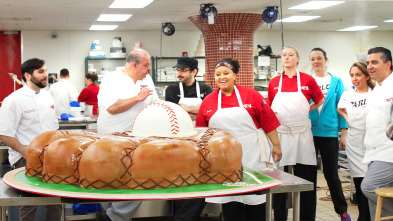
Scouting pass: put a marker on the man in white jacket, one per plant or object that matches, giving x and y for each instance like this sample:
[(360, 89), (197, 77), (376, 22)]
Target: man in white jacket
[(123, 94), (379, 148), (26, 113), (63, 92)]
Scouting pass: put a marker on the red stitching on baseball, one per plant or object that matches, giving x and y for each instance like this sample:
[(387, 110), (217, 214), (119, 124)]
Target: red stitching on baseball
[(171, 114), (172, 119)]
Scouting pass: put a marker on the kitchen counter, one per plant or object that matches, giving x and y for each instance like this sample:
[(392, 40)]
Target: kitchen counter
[(83, 124)]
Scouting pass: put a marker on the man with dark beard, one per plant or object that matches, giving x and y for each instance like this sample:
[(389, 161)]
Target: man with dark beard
[(25, 114)]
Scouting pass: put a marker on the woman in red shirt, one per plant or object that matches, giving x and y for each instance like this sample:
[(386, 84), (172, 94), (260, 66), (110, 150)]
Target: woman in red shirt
[(241, 111), (89, 95), (289, 96)]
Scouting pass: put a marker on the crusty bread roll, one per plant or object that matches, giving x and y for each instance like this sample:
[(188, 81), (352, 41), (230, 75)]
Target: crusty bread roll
[(165, 163), (35, 153), (61, 159), (105, 164), (121, 161), (224, 158)]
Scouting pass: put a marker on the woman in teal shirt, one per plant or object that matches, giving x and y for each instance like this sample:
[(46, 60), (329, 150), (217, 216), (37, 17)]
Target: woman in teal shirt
[(326, 123)]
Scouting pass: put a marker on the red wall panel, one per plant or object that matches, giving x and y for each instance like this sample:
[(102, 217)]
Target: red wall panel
[(10, 61)]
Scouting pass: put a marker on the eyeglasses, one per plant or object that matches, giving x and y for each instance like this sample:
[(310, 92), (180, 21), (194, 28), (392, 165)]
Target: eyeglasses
[(181, 70)]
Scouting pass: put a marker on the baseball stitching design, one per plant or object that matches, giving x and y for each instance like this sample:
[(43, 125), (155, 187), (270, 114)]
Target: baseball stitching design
[(174, 124)]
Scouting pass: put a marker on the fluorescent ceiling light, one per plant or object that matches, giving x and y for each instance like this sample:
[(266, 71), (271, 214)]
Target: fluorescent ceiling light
[(297, 18), (391, 20), (114, 17), (103, 27), (357, 28), (130, 3), (313, 5)]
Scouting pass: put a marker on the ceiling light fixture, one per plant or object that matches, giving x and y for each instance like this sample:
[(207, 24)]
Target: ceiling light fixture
[(297, 18), (314, 5), (103, 27), (130, 3), (114, 17), (357, 28), (391, 20)]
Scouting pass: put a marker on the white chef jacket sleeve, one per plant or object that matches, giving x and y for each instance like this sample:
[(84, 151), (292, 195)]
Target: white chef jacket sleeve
[(343, 103), (10, 116), (73, 93), (108, 93)]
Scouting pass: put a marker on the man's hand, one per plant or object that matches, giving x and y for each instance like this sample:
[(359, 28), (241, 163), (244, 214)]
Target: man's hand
[(13, 143), (143, 94), (122, 105), (185, 107), (190, 110)]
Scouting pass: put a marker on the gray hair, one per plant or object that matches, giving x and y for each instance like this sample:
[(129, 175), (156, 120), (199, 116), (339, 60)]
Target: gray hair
[(135, 56)]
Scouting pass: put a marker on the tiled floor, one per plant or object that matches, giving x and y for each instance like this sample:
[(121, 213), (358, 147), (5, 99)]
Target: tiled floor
[(325, 209)]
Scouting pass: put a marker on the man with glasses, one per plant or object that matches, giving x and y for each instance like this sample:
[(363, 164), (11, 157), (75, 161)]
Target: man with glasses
[(188, 93)]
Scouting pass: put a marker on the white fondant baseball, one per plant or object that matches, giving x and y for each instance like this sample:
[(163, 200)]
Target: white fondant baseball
[(163, 119)]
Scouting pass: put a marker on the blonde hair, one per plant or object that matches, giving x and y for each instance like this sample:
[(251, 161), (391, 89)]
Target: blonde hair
[(297, 53), (363, 68)]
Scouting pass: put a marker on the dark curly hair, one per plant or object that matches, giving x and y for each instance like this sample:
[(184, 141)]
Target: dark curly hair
[(30, 66)]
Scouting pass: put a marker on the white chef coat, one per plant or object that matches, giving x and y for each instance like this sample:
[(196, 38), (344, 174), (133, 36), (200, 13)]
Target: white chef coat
[(239, 122), (296, 140), (63, 92), (356, 108), (26, 114), (190, 101), (118, 85), (378, 146)]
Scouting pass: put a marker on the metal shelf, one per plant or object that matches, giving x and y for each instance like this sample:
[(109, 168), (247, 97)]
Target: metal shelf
[(102, 58)]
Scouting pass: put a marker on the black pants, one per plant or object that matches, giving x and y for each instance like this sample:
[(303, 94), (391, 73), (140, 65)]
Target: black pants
[(364, 211), (235, 211), (328, 148), (189, 209), (308, 199)]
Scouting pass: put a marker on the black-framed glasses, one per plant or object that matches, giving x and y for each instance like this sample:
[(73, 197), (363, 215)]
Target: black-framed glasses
[(182, 70)]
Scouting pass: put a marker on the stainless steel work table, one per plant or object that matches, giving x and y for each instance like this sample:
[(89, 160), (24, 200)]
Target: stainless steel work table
[(289, 184), (84, 124)]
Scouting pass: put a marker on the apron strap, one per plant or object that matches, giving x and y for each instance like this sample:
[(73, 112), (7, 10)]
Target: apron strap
[(239, 99), (198, 90), (299, 86), (298, 82), (181, 90), (294, 128), (280, 83)]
